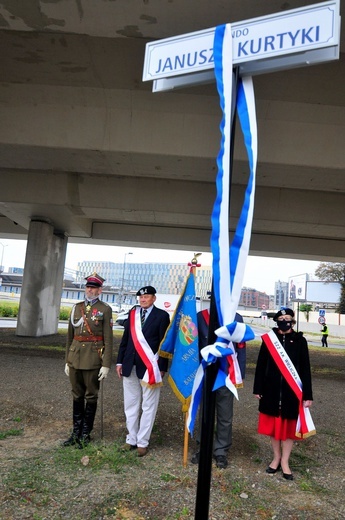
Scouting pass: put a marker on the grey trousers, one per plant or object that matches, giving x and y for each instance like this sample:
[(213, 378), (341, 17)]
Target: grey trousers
[(224, 415)]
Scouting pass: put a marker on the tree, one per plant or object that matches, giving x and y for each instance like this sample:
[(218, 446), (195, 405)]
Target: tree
[(306, 308), (330, 272)]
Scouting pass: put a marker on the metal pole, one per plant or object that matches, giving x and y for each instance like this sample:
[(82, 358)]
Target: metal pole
[(101, 392), (123, 279), (207, 428), (209, 397), (2, 256)]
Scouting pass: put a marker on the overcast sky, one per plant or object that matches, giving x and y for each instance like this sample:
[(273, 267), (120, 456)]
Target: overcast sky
[(261, 273)]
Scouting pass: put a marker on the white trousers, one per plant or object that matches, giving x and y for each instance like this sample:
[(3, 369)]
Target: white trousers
[(139, 428)]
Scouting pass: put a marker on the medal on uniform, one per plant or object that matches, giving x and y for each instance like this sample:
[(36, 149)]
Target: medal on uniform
[(88, 307)]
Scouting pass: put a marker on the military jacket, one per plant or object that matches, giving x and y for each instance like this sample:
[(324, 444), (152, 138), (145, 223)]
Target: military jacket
[(90, 338)]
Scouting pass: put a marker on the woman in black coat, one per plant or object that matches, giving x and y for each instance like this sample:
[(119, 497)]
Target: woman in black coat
[(278, 404)]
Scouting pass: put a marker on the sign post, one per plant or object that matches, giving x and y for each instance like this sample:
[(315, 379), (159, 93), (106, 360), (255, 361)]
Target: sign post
[(280, 41), (322, 316)]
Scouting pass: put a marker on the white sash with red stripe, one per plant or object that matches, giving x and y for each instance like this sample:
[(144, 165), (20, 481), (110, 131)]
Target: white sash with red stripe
[(152, 376), (305, 426)]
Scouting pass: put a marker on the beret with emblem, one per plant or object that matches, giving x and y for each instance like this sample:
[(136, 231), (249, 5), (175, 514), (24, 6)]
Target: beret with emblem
[(283, 312), (148, 289), (94, 280)]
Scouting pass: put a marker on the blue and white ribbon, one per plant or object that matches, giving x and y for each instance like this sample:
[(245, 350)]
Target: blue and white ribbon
[(228, 263)]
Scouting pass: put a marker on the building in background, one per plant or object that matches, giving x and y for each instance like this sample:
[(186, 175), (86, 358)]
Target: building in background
[(253, 299), (127, 277), (281, 294), (123, 281)]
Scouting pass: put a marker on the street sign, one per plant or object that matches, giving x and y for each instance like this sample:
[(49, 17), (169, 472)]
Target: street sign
[(322, 312), (279, 41), (322, 320)]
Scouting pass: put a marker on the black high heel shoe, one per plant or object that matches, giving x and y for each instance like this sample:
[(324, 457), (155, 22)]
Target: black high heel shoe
[(272, 471), (288, 476)]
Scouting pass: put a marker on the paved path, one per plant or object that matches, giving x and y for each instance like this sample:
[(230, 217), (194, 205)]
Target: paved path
[(258, 331), (338, 343), (9, 323)]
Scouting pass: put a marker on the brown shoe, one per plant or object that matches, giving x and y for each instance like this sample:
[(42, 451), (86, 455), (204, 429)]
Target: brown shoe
[(142, 451), (128, 447)]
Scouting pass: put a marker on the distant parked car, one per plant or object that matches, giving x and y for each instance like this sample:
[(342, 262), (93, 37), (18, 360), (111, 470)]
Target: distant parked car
[(121, 318), (114, 307)]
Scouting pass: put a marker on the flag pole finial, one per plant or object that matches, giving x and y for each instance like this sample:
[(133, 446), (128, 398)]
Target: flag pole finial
[(194, 262)]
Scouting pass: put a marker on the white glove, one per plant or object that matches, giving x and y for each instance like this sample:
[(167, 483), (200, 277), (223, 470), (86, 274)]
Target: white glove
[(102, 374), (67, 370)]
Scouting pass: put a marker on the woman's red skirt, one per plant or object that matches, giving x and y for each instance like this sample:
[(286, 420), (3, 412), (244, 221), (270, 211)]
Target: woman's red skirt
[(277, 427)]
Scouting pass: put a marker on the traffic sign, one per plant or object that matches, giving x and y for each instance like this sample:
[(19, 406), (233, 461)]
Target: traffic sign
[(322, 320)]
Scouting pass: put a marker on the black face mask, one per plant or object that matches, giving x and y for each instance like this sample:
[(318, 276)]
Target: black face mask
[(284, 325)]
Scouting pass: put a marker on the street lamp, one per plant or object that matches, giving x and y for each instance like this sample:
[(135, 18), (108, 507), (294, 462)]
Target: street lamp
[(2, 256), (123, 278)]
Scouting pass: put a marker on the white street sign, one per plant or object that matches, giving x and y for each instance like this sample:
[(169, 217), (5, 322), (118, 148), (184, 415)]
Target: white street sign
[(284, 40)]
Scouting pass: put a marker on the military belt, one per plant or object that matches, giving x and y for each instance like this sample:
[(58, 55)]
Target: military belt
[(88, 338)]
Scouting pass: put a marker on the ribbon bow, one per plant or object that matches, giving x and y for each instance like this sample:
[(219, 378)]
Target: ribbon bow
[(223, 352)]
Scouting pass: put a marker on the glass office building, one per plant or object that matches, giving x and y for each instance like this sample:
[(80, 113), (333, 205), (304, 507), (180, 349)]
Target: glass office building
[(166, 278)]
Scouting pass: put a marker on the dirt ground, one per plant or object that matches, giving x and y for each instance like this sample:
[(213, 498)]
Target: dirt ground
[(40, 480)]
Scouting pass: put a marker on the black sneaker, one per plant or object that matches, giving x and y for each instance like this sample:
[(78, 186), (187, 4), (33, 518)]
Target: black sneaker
[(221, 461), (195, 458)]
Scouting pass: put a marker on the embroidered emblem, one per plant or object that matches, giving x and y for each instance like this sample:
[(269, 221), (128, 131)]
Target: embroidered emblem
[(188, 330)]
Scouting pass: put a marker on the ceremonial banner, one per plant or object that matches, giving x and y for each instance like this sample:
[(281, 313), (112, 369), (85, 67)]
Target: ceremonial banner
[(229, 263), (180, 344)]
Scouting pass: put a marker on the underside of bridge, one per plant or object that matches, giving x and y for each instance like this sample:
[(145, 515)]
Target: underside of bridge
[(87, 147)]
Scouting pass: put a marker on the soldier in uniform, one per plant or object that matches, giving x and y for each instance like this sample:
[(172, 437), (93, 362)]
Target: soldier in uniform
[(88, 357)]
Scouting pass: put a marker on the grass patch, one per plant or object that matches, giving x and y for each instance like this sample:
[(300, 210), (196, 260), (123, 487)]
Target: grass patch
[(100, 457), (41, 480), (167, 477), (10, 433), (327, 371)]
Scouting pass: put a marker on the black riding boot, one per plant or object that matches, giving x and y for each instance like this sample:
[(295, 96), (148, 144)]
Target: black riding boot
[(78, 419), (89, 417)]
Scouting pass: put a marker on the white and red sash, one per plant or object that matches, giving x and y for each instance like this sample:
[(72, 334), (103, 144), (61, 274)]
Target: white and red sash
[(305, 426), (152, 376)]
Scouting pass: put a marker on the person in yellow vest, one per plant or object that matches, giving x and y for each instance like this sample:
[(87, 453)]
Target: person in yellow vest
[(324, 332), (88, 357)]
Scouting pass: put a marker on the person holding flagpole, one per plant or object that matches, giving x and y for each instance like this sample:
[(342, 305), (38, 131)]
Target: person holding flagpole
[(224, 398), (283, 385), (141, 368)]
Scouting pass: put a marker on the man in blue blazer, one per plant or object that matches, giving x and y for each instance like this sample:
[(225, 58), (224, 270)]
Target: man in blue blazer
[(141, 369)]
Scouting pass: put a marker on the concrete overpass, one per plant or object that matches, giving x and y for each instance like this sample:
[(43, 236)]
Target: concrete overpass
[(89, 150)]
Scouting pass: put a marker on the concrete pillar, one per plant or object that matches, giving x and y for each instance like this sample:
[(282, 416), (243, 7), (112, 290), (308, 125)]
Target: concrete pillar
[(40, 299)]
